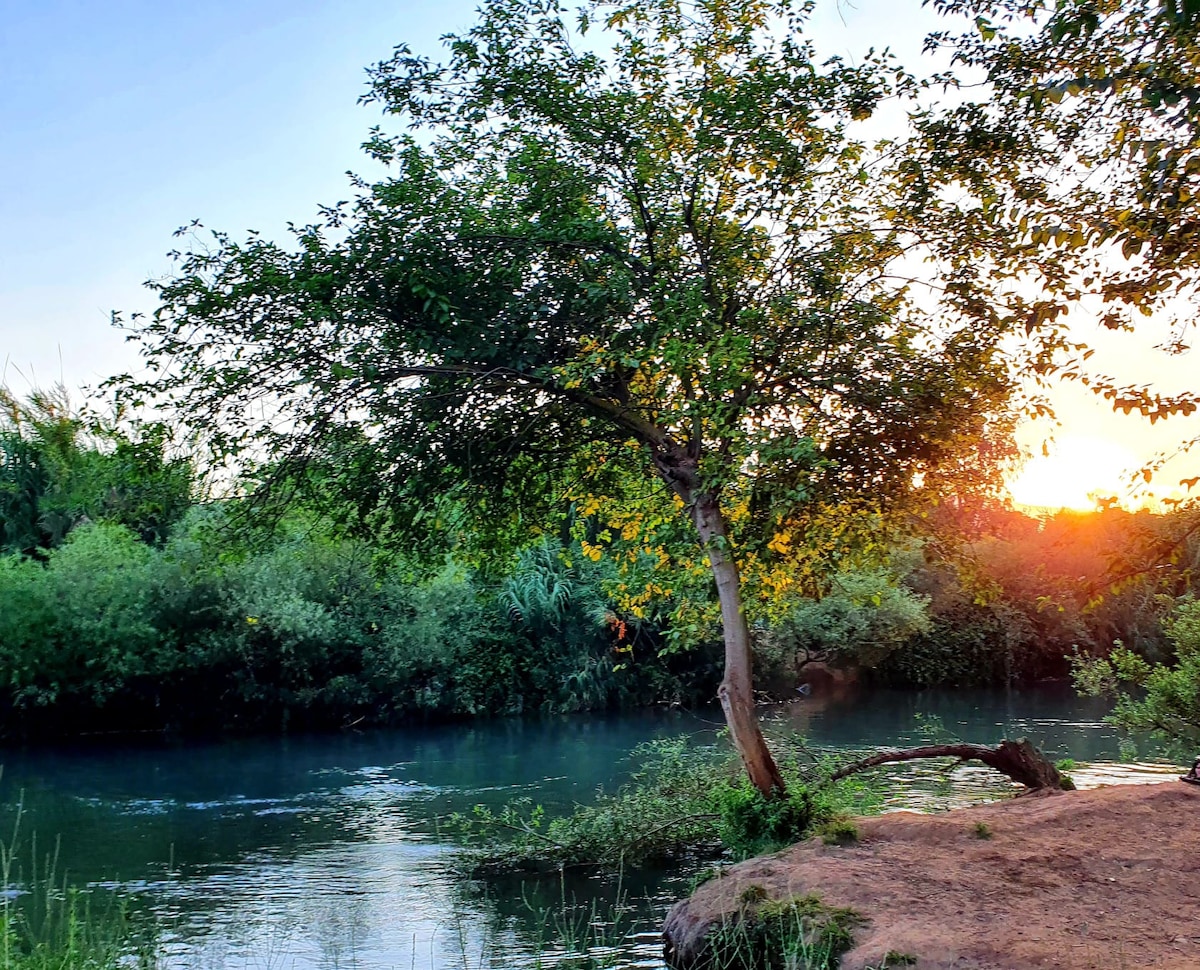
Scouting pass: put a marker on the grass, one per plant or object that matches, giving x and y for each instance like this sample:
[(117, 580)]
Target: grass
[(45, 924), (793, 934), (839, 831)]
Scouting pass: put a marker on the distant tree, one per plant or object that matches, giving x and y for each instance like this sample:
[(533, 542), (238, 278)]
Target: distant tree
[(59, 467), (680, 257)]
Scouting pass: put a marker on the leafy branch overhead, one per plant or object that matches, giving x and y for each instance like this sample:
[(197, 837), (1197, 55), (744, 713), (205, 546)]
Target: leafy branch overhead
[(683, 242), (1084, 160)]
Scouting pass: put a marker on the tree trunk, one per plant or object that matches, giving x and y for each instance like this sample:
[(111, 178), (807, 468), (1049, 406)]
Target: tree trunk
[(1020, 760), (737, 688)]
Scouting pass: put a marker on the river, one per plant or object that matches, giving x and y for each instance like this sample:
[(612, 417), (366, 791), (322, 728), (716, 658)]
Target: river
[(325, 852)]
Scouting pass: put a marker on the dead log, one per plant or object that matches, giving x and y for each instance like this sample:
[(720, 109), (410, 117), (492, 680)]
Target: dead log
[(1019, 760)]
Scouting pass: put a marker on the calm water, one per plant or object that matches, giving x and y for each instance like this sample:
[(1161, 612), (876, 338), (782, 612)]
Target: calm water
[(324, 852)]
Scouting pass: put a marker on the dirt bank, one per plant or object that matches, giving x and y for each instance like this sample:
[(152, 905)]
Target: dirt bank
[(1107, 878)]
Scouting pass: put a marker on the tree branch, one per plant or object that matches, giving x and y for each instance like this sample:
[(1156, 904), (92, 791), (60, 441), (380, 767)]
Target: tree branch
[(1019, 760)]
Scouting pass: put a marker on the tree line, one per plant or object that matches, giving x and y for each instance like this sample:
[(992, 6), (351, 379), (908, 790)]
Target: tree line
[(130, 602)]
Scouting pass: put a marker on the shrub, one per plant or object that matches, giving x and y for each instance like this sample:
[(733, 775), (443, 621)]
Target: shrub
[(866, 614), (749, 824), (1168, 703), (792, 934), (682, 801)]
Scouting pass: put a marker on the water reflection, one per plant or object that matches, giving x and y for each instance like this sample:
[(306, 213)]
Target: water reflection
[(323, 852)]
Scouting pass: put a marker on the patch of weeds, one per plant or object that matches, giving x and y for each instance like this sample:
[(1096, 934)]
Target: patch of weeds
[(839, 831), (752, 894), (894, 958), (705, 875), (791, 934), (983, 830), (1064, 765), (750, 824)]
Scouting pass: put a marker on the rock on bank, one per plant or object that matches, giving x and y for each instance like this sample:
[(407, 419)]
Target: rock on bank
[(1103, 878)]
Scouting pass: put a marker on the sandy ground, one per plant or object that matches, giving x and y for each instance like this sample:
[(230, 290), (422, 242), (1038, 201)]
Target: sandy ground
[(1107, 878)]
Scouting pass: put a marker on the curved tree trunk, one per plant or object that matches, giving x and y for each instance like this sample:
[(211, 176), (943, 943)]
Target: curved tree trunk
[(1020, 760), (736, 692)]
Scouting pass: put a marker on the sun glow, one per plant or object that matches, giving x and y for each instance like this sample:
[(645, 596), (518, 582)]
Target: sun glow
[(1076, 473)]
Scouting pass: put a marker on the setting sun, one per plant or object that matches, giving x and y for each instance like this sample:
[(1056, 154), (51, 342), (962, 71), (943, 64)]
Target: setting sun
[(1077, 471)]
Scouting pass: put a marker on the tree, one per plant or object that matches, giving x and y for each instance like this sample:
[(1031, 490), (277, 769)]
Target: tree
[(60, 466), (1083, 159), (679, 257)]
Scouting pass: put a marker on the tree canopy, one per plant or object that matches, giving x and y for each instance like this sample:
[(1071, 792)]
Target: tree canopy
[(656, 238), (1082, 151)]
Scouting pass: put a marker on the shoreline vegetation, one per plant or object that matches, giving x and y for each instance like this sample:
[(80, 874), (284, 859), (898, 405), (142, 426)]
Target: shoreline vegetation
[(304, 629), (124, 600)]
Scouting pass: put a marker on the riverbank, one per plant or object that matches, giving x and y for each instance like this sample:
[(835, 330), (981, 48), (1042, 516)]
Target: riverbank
[(1076, 881)]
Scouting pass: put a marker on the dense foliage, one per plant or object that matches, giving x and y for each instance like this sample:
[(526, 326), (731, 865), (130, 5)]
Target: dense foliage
[(1082, 152), (212, 623), (1162, 699), (681, 801), (302, 628), (60, 467)]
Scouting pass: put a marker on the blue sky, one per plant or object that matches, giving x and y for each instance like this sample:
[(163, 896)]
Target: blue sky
[(124, 120), (121, 121)]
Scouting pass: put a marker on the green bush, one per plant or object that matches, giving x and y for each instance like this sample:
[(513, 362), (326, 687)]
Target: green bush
[(1162, 699), (681, 801), (801, 933), (298, 626), (80, 627), (865, 616), (666, 810), (749, 824)]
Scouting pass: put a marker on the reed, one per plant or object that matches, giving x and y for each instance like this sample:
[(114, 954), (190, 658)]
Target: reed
[(46, 924)]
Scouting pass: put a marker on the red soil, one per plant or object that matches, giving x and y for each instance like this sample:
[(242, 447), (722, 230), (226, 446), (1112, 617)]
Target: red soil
[(1107, 878)]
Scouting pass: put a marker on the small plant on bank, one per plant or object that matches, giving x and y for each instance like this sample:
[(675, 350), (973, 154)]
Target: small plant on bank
[(749, 824), (703, 876), (752, 894), (983, 830), (1064, 765), (792, 934), (839, 831)]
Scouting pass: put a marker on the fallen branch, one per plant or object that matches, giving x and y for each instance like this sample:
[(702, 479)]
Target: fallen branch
[(1019, 760)]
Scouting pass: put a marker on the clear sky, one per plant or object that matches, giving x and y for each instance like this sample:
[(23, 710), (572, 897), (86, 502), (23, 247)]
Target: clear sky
[(121, 121)]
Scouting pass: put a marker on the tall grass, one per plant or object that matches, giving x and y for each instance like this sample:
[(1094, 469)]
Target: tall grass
[(45, 924)]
